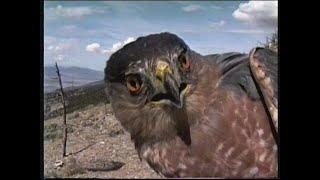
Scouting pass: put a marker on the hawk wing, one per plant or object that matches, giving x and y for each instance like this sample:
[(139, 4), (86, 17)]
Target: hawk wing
[(254, 75), (264, 67), (235, 73)]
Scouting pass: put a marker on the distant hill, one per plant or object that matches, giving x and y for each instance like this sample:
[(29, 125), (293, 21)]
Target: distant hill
[(76, 98), (71, 76)]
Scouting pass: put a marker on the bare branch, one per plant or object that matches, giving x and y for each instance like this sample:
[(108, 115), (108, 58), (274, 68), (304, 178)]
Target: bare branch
[(64, 143)]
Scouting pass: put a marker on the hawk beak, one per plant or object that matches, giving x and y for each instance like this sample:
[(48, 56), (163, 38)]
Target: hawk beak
[(167, 90), (162, 70)]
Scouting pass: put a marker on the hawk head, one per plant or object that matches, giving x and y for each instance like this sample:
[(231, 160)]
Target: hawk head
[(148, 81), (160, 90)]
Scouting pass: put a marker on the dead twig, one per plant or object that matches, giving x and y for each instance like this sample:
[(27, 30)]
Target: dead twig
[(64, 143)]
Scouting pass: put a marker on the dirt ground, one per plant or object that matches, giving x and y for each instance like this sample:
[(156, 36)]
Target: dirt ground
[(94, 136)]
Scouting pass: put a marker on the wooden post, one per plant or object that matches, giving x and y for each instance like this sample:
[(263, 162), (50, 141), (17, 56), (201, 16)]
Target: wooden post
[(64, 143)]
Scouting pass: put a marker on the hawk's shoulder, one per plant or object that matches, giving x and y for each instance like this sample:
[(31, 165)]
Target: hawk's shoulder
[(235, 73)]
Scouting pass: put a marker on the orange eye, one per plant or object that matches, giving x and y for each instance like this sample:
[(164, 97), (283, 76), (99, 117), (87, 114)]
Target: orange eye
[(133, 84), (185, 64)]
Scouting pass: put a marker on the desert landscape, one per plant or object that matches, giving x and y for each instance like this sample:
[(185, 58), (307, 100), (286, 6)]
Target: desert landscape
[(95, 138)]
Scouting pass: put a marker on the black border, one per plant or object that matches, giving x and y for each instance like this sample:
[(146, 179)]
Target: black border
[(21, 78)]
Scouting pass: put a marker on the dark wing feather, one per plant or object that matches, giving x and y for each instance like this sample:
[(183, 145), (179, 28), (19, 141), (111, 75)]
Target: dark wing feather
[(254, 75), (264, 67), (251, 74), (235, 73)]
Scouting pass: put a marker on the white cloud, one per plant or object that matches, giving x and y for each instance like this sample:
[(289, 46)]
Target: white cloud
[(129, 40), (96, 48), (247, 31), (192, 8), (260, 13), (58, 49), (59, 57), (115, 47), (119, 45), (58, 12), (73, 11), (215, 25)]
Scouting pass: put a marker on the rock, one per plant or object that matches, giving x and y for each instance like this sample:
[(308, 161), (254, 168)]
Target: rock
[(86, 123), (105, 166), (116, 133), (72, 167), (58, 163), (76, 115)]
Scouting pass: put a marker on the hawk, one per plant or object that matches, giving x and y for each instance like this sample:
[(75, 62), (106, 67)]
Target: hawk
[(191, 115)]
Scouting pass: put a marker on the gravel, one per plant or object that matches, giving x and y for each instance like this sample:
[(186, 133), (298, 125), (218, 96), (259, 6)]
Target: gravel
[(96, 137)]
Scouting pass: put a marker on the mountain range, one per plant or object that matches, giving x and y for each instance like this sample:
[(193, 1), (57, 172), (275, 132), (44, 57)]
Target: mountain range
[(70, 76)]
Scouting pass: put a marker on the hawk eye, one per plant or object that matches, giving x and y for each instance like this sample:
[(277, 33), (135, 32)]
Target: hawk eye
[(184, 62), (134, 84)]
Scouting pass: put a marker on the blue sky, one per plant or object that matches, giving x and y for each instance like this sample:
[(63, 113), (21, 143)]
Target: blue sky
[(85, 34)]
